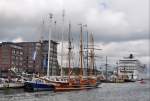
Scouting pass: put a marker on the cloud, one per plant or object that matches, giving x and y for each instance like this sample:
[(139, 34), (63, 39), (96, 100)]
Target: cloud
[(116, 51), (106, 18), (19, 39), (121, 25)]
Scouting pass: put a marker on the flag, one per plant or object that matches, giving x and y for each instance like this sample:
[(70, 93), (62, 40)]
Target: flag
[(34, 55), (45, 62)]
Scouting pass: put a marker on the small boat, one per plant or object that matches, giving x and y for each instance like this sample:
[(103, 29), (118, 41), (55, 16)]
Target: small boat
[(13, 83), (38, 84), (142, 81)]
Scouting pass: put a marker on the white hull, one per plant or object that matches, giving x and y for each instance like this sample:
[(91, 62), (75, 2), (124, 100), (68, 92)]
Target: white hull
[(131, 67), (11, 85)]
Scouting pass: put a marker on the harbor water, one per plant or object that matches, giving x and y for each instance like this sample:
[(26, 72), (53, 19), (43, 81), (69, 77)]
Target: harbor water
[(106, 92)]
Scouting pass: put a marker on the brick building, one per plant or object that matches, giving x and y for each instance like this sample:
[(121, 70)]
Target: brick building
[(36, 57), (11, 56), (54, 66), (31, 57)]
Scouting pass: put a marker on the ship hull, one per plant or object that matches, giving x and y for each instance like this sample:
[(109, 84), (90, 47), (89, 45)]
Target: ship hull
[(74, 87), (34, 86), (11, 85)]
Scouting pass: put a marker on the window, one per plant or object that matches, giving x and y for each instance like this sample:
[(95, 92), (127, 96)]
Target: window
[(21, 58), (21, 53), (12, 62), (20, 63), (13, 51)]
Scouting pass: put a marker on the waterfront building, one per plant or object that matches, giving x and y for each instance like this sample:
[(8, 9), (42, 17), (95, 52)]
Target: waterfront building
[(36, 57), (31, 57), (54, 66), (11, 56)]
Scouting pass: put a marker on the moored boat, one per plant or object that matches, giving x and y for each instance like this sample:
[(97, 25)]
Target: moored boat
[(142, 81), (38, 84), (13, 83), (130, 69), (75, 85), (79, 83)]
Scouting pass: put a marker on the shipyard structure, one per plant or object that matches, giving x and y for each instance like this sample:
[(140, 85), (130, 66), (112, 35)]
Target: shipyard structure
[(31, 57)]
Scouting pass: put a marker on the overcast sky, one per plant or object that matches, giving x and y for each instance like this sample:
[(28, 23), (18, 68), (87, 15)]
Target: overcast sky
[(120, 27)]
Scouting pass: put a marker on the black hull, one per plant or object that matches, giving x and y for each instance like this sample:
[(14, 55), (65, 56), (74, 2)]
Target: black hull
[(32, 87)]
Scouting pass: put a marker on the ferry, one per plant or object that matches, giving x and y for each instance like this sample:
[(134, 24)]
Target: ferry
[(130, 69)]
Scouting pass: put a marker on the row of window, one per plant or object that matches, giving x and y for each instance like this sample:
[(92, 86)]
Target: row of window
[(128, 65), (127, 69), (128, 62), (17, 58), (16, 63), (17, 52)]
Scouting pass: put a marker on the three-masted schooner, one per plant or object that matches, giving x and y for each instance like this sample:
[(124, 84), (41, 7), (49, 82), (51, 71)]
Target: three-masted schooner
[(80, 82)]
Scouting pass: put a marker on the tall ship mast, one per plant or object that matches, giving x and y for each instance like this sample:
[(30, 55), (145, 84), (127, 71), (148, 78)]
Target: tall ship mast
[(49, 46), (62, 38), (69, 52), (81, 52), (91, 55)]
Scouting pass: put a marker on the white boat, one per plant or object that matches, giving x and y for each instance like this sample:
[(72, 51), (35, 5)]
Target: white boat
[(14, 83), (130, 68)]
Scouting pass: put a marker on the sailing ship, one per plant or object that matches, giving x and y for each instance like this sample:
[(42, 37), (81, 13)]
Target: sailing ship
[(38, 84), (41, 83), (80, 82)]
